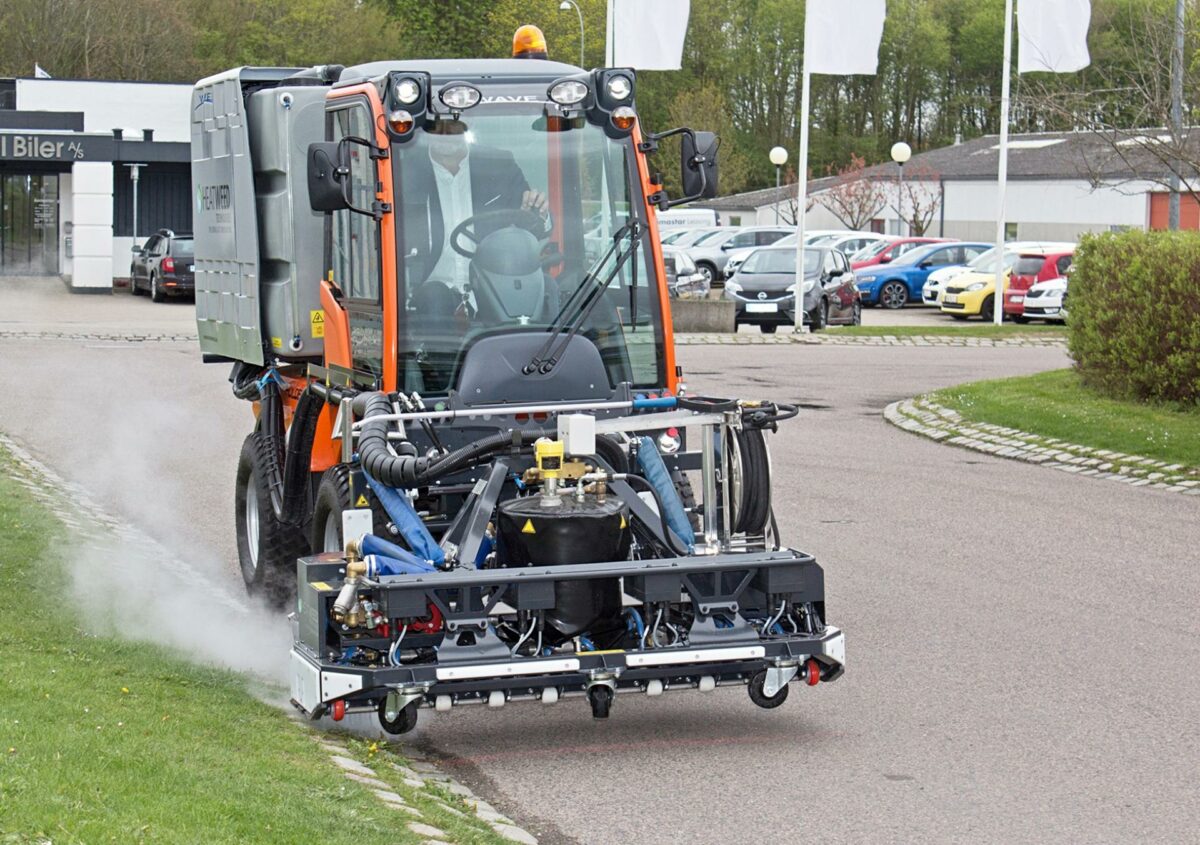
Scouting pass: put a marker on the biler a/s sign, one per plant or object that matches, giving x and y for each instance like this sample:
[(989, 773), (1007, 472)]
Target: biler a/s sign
[(23, 146)]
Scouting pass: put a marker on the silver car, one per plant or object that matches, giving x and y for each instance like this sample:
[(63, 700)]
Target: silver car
[(682, 277), (711, 252)]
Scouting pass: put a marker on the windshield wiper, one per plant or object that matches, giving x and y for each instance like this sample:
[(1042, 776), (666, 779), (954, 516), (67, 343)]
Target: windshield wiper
[(583, 299)]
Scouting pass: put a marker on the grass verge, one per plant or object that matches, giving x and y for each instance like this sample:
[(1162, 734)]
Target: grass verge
[(1056, 404), (1008, 330), (103, 740)]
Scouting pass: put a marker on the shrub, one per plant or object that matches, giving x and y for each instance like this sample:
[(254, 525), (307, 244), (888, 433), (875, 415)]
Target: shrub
[(1134, 329)]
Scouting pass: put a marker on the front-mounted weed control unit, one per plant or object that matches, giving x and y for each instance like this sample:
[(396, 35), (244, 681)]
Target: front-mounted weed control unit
[(475, 476)]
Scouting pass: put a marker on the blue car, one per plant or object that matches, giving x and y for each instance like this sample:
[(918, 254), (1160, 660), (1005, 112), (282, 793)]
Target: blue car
[(899, 282)]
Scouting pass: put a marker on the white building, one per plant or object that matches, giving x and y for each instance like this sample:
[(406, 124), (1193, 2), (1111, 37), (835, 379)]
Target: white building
[(67, 155), (1060, 185)]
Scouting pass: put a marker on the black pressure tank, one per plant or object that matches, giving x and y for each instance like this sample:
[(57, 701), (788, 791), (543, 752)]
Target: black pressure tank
[(530, 534)]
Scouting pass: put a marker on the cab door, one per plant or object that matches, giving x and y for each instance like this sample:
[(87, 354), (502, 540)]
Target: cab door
[(355, 264)]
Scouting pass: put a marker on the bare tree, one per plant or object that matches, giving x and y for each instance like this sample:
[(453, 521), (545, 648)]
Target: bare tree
[(853, 198), (1124, 109), (920, 197), (787, 207)]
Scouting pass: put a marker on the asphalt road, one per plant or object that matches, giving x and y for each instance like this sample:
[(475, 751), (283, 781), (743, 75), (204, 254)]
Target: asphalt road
[(1021, 643)]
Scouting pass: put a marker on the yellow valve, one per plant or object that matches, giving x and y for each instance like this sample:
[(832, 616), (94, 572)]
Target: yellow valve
[(549, 457)]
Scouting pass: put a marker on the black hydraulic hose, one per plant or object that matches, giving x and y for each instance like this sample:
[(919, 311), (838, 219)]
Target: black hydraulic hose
[(270, 425), (298, 457), (754, 509), (668, 535), (412, 470), (612, 453)]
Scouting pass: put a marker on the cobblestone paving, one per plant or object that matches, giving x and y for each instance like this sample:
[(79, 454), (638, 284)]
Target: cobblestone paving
[(937, 422)]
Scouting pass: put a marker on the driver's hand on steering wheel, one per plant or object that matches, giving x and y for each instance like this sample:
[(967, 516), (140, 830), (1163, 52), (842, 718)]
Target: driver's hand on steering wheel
[(534, 201)]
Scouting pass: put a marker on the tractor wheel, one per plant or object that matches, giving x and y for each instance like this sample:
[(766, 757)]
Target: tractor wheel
[(687, 496), (267, 548), (333, 497)]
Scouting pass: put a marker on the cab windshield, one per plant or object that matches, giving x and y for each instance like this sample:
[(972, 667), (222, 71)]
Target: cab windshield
[(501, 215)]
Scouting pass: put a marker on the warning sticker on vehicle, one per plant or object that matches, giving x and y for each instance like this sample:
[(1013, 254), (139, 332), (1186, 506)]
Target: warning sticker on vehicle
[(277, 342), (316, 320)]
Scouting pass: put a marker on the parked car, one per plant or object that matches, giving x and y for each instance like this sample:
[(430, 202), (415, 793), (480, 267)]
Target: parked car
[(165, 266), (1032, 268), (848, 241), (764, 289), (1048, 300), (711, 252), (683, 279), (937, 280), (885, 252), (899, 282), (686, 237)]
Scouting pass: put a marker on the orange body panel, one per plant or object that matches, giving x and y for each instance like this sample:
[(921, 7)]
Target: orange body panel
[(664, 299)]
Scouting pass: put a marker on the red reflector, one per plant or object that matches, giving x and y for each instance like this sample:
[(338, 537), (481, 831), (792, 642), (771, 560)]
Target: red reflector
[(339, 710), (522, 418), (168, 264), (652, 395), (541, 416), (672, 432)]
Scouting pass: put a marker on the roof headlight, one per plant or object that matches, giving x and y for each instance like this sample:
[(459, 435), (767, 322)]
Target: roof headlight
[(460, 96), (407, 91), (619, 87), (568, 92)]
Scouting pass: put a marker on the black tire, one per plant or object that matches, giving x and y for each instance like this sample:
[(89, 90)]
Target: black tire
[(133, 286), (333, 497), (405, 720), (757, 684), (1023, 320), (856, 314), (267, 548), (601, 698), (988, 309), (893, 295), (156, 295), (768, 328), (959, 317), (819, 318)]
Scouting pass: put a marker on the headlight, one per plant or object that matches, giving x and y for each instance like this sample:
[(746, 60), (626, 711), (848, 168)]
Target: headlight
[(809, 284), (619, 87), (460, 96), (408, 91), (866, 278), (977, 286), (568, 92), (733, 287)]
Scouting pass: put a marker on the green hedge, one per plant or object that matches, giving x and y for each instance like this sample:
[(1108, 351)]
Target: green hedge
[(1134, 301)]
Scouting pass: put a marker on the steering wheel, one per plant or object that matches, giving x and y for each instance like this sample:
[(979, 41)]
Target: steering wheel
[(522, 217)]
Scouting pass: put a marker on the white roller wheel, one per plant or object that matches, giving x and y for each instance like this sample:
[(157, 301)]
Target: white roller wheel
[(550, 695), (654, 687), (708, 683), (496, 699), (443, 704)]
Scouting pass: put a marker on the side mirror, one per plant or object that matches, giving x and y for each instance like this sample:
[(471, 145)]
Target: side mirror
[(925, 265), (327, 175), (886, 259), (137, 250), (698, 164), (836, 273)]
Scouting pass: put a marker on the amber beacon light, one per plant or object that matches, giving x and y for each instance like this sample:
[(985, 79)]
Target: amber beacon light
[(529, 43)]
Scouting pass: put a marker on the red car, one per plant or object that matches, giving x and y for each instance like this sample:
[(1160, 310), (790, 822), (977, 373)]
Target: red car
[(1033, 266), (886, 252)]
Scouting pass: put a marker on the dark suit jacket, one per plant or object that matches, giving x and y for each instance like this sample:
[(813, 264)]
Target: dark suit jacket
[(497, 183)]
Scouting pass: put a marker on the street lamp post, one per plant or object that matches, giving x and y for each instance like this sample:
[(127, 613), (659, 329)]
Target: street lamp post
[(569, 4), (901, 152), (779, 157)]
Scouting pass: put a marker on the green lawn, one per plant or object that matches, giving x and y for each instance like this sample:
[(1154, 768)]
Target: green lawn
[(1056, 404), (976, 329), (103, 740)]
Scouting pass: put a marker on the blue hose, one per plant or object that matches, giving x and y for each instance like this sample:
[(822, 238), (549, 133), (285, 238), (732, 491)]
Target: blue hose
[(636, 623), (408, 523), (383, 565), (652, 466), (643, 404)]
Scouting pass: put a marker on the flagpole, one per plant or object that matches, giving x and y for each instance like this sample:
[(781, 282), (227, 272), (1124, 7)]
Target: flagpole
[(609, 47), (1002, 176), (802, 199)]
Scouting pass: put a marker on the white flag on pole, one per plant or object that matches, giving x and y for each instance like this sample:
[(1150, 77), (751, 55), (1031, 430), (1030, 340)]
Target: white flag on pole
[(1052, 35), (647, 34), (842, 37), (39, 73)]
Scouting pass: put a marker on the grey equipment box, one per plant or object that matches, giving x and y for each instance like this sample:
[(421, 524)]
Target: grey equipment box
[(258, 244)]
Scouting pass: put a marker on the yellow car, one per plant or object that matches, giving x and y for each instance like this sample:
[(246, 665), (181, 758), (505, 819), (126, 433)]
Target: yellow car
[(971, 294)]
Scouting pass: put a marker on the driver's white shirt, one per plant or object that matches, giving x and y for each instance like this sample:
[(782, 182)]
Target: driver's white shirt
[(454, 191)]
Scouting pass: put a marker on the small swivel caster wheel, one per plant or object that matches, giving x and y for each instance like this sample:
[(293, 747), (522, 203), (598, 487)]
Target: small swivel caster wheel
[(600, 697), (757, 683), (402, 722)]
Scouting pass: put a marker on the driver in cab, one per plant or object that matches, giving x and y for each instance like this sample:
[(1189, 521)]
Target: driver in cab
[(455, 181)]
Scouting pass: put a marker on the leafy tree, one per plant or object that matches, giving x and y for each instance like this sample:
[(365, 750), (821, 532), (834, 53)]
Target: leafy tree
[(854, 198)]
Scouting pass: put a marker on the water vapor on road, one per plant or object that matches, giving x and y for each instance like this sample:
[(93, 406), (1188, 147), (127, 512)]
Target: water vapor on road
[(157, 579)]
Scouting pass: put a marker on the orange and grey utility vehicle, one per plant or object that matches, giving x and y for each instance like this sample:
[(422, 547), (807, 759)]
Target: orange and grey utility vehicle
[(470, 474)]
